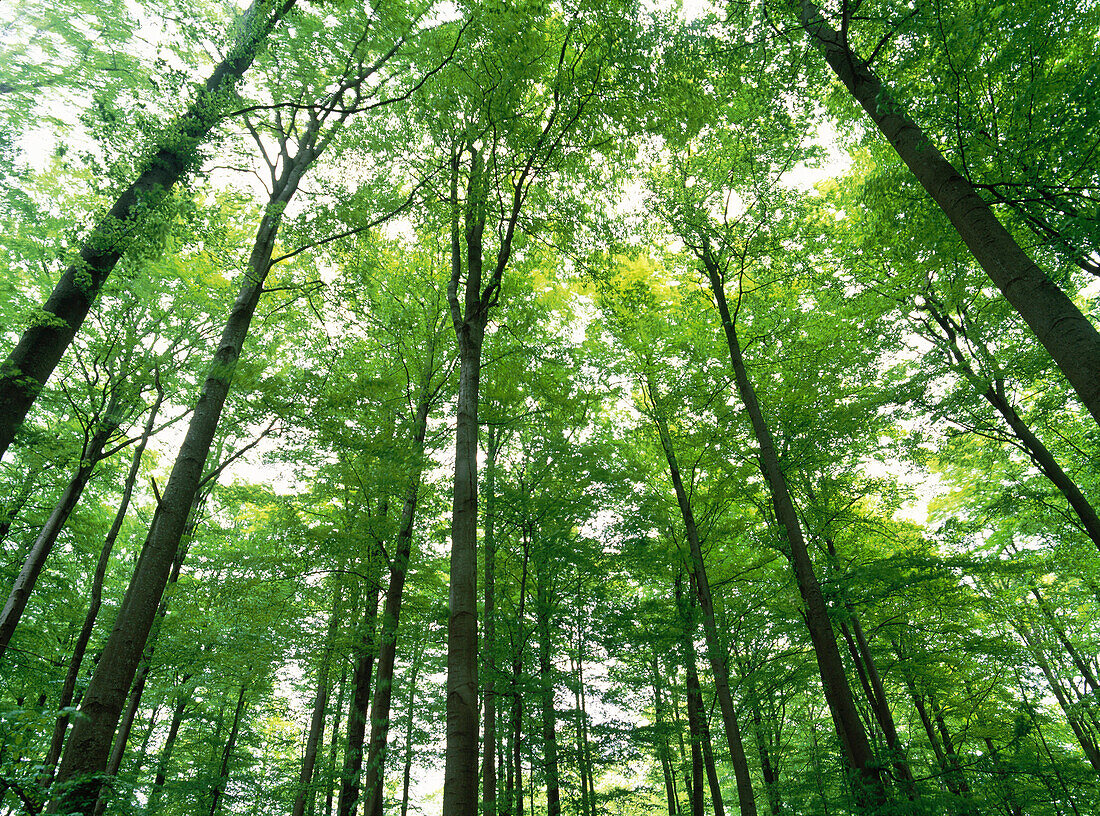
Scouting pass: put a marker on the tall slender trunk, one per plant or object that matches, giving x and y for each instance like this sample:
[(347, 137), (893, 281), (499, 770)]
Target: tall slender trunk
[(306, 791), (695, 712), (391, 613), (334, 737), (663, 751), (460, 783), (1071, 651), (544, 606), (222, 779), (42, 344), (489, 736), (77, 658), (870, 790), (410, 708), (994, 393), (360, 698), (1064, 331), (517, 672), (769, 766), (90, 455), (713, 782), (183, 697), (79, 777), (716, 651)]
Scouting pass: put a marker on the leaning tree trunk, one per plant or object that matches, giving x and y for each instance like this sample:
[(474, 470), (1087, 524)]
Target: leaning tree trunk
[(68, 689), (40, 348), (870, 790), (360, 698), (695, 712), (220, 781), (21, 590), (79, 778), (157, 791), (994, 393), (306, 791), (391, 614), (716, 652), (1064, 331)]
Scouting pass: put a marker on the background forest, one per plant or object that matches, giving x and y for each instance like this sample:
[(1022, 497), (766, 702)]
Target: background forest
[(573, 407)]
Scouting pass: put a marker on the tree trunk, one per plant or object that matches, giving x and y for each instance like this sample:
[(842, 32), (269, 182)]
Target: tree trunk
[(517, 672), (157, 791), (334, 738), (489, 737), (126, 724), (360, 699), (90, 455), (218, 790), (994, 394), (544, 595), (410, 708), (86, 754), (694, 703), (663, 753), (712, 772), (45, 341), (870, 791), (460, 782), (306, 791), (1071, 339), (391, 614), (77, 658), (716, 652)]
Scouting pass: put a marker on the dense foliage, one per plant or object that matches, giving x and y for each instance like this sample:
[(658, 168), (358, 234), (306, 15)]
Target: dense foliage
[(581, 407)]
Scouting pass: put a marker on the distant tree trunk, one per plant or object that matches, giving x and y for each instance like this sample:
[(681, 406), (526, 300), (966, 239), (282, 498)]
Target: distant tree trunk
[(489, 736), (1071, 651), (953, 776), (1002, 775), (870, 791), (544, 607), (410, 708), (306, 790), (663, 753), (40, 348), (222, 779), (1064, 331), (712, 772), (11, 512), (334, 738), (769, 764), (183, 697), (695, 712), (90, 455), (517, 674), (716, 651), (78, 779), (391, 613), (874, 690), (69, 687), (994, 393), (360, 699)]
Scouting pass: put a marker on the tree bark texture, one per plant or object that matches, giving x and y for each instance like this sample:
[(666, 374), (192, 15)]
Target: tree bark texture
[(365, 651)]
